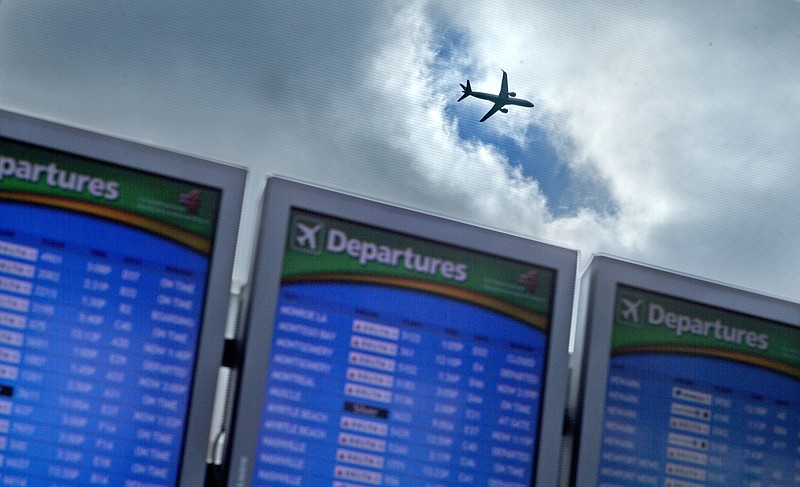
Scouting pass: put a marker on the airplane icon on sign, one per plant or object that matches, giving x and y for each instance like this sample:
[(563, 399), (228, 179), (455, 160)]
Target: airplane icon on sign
[(631, 311), (309, 235)]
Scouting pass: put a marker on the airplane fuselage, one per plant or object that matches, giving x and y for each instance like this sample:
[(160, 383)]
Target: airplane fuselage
[(507, 100)]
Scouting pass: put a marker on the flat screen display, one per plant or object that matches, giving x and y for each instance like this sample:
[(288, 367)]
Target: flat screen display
[(684, 382), (398, 360), (699, 395), (104, 277)]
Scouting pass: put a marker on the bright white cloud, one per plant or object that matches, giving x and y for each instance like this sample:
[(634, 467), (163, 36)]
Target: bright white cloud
[(685, 111)]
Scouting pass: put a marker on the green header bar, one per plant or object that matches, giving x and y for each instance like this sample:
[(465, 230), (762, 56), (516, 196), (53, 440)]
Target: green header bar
[(323, 247), (156, 203), (645, 321)]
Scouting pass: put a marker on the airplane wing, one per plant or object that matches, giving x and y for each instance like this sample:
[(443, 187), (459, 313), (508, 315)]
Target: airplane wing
[(491, 111), (504, 86)]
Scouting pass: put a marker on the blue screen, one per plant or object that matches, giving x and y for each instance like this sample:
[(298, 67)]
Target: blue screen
[(99, 326), (380, 385), (699, 396), (683, 420)]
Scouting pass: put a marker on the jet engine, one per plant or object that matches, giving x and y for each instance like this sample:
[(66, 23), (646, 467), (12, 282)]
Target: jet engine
[(512, 94), (504, 110)]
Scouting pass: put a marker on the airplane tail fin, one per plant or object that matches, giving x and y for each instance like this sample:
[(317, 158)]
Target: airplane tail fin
[(466, 89)]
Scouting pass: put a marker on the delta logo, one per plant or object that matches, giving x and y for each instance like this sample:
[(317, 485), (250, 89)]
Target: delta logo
[(191, 200), (308, 235), (530, 281)]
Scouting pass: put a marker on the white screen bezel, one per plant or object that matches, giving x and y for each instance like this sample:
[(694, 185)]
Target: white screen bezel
[(601, 281), (283, 195), (230, 180)]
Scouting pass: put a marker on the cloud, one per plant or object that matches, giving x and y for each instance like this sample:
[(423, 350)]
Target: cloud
[(682, 113), (686, 113)]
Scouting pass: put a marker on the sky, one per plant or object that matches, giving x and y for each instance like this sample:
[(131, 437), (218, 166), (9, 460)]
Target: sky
[(663, 132)]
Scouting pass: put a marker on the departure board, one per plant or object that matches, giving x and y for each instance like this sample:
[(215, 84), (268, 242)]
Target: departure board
[(103, 277), (380, 377), (389, 347), (698, 395)]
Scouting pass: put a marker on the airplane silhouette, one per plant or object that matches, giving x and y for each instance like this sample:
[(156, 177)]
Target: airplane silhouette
[(309, 236), (631, 311), (504, 98)]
